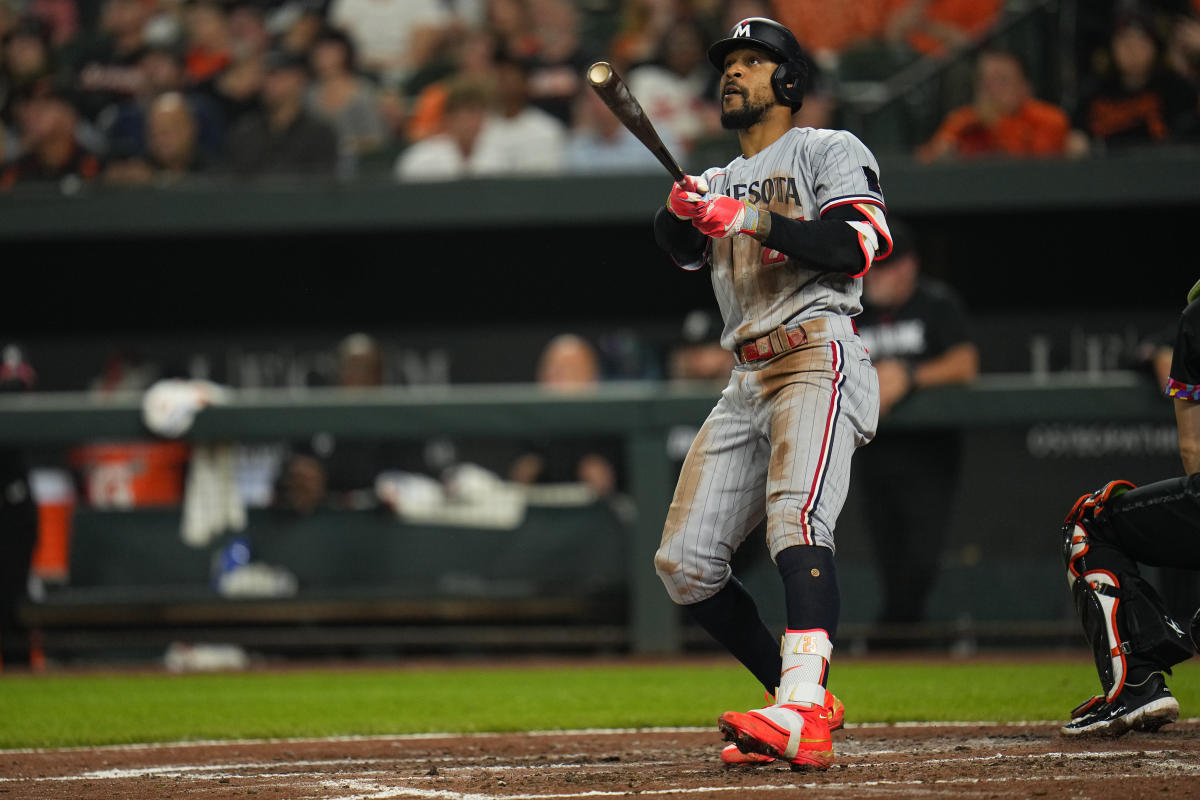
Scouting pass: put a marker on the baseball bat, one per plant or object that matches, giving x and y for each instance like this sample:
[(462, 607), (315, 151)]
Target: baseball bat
[(616, 95)]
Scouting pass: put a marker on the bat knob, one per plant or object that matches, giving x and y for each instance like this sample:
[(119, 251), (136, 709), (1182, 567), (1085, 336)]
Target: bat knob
[(599, 73)]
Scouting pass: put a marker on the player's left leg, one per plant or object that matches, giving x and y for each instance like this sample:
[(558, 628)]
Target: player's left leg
[(821, 403), (1133, 638)]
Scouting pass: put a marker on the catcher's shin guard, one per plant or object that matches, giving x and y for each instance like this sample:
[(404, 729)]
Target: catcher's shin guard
[(1123, 617)]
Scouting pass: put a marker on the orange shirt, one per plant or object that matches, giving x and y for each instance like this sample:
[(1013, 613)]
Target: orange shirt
[(1036, 129), (972, 18), (831, 25)]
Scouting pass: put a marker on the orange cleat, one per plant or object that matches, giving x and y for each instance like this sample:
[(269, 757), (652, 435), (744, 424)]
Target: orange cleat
[(834, 713)]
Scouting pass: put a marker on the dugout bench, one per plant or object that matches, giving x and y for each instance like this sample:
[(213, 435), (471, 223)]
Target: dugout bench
[(365, 599)]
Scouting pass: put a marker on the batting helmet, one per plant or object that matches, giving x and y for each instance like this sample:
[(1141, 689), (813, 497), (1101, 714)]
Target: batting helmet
[(767, 34)]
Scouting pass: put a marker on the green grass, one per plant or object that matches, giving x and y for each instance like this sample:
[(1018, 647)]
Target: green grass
[(65, 710)]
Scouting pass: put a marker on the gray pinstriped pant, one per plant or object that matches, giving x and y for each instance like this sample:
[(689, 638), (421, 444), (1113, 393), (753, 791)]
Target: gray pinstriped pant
[(778, 443)]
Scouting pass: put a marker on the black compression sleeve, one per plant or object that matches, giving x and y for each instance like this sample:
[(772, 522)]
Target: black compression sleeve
[(678, 237), (827, 244)]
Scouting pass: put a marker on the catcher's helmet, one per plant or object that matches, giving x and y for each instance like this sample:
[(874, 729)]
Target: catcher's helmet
[(767, 34)]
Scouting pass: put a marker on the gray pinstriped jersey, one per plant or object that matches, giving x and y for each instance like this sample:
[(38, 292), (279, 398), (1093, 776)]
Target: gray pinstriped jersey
[(801, 175)]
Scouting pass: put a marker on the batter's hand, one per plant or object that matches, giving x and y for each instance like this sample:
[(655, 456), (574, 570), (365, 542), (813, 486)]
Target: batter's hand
[(723, 216), (686, 200)]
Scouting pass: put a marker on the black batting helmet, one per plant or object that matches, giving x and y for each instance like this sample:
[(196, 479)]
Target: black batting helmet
[(767, 34)]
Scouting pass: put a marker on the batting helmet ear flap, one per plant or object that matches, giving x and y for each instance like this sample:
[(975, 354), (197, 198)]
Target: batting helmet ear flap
[(788, 83)]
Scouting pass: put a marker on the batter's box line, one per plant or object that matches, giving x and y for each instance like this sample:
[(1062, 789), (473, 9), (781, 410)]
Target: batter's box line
[(415, 737)]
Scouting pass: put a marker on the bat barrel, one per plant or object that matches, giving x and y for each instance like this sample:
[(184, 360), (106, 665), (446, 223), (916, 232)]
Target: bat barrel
[(600, 74)]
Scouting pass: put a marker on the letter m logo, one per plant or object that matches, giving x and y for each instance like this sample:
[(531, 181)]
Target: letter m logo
[(742, 30)]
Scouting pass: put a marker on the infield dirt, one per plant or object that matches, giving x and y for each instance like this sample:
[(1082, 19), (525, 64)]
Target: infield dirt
[(1009, 761)]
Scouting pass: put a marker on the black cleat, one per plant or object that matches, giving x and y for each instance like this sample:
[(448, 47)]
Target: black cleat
[(1145, 707)]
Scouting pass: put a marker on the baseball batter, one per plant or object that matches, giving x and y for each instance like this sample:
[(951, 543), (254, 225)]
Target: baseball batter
[(788, 229), (1106, 535)]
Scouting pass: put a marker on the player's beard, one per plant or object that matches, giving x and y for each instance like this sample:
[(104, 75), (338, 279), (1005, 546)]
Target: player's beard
[(739, 119)]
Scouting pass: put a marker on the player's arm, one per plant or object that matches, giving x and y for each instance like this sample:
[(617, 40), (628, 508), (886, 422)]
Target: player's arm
[(673, 228), (846, 238), (683, 242), (1183, 382), (1187, 419)]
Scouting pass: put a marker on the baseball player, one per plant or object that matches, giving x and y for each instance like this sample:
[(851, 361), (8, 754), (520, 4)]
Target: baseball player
[(1106, 534), (788, 229)]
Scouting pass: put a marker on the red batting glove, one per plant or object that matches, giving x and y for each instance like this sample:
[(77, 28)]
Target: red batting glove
[(683, 204), (723, 216), (685, 200)]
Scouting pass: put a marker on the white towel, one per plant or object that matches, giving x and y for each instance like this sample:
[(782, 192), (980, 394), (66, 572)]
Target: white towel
[(212, 503)]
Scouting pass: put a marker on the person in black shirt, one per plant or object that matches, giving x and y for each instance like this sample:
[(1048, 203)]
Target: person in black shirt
[(1138, 100), (18, 524), (284, 137), (915, 329), (1106, 534)]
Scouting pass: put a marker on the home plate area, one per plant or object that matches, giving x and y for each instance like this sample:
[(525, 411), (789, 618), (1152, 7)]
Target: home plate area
[(874, 761)]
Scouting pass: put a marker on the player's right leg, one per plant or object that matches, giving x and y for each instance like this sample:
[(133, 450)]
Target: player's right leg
[(1134, 640), (718, 501)]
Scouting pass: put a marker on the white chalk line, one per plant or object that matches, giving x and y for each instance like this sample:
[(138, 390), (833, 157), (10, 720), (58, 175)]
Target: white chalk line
[(411, 737), (230, 772), (368, 790)]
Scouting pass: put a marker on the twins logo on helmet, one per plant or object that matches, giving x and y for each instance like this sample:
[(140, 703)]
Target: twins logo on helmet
[(767, 34)]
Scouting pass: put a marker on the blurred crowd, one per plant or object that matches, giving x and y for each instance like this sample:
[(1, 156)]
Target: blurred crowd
[(147, 92)]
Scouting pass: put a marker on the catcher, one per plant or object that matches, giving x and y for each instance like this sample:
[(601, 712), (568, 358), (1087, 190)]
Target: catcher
[(1106, 535)]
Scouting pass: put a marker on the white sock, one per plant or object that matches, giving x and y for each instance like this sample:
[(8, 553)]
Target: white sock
[(805, 656)]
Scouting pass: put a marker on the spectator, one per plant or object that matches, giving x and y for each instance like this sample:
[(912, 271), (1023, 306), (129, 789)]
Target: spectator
[(106, 68), (698, 354), (599, 143), (829, 28), (1183, 48), (162, 68), (393, 37), (56, 145), (172, 146), (472, 55), (341, 96), (18, 524), (333, 473), (916, 331), (556, 71), (209, 48), (1004, 119), (678, 88), (452, 152), (570, 365), (249, 34), (1138, 100), (62, 17), (513, 25), (296, 25), (9, 14), (643, 25), (26, 59), (519, 139), (237, 89), (283, 137), (936, 28)]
